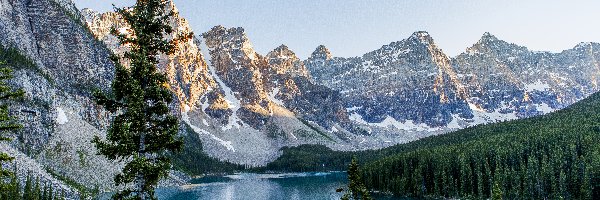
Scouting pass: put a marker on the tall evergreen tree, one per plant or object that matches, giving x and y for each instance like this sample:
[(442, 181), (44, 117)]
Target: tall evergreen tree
[(356, 186), (143, 131), (14, 189), (7, 123), (28, 190), (497, 192), (37, 190)]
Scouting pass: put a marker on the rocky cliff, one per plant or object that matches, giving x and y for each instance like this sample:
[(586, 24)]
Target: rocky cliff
[(57, 62)]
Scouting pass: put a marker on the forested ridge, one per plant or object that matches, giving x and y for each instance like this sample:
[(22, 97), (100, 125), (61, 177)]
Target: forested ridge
[(553, 156), (546, 157)]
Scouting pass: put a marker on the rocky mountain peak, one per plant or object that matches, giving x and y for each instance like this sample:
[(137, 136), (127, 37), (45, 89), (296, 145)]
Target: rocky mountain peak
[(490, 44), (422, 37), (321, 53), (282, 51), (488, 38), (583, 45), (186, 68), (284, 61), (232, 39)]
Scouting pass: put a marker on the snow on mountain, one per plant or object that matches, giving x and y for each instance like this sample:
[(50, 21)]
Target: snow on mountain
[(413, 82)]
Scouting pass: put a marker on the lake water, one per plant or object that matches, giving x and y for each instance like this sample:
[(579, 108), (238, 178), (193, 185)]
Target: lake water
[(247, 186)]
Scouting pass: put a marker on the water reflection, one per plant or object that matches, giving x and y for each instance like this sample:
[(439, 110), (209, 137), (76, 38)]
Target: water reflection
[(246, 186), (294, 186)]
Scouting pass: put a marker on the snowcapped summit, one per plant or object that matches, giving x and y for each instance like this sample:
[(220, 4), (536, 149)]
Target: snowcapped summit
[(490, 45), (420, 34)]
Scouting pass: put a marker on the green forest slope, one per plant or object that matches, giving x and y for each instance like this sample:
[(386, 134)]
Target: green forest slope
[(551, 156)]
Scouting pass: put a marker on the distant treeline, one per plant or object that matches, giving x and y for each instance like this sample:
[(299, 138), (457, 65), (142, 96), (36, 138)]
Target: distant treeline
[(33, 189), (193, 161)]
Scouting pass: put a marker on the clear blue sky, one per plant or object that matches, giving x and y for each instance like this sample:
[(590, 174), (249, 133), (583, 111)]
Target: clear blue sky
[(352, 27)]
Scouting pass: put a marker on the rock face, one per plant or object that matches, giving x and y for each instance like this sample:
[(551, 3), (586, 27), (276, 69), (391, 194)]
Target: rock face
[(395, 82), (61, 63), (243, 105), (239, 68), (186, 69), (510, 79), (413, 85)]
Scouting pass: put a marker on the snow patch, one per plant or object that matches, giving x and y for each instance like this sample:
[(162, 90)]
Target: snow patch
[(61, 117), (123, 31), (273, 97), (234, 103), (357, 118), (538, 85), (334, 129), (226, 144), (408, 125), (474, 107), (454, 123), (544, 108), (354, 108), (483, 117)]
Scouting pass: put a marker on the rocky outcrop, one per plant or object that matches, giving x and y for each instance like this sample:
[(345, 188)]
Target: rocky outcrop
[(239, 68), (510, 79), (58, 65)]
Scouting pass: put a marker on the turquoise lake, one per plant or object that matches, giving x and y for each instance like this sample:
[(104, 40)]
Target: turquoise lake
[(248, 186)]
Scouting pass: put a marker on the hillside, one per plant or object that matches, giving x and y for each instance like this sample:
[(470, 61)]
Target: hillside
[(558, 153), (551, 156)]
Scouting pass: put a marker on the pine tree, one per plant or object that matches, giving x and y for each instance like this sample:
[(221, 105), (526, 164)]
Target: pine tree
[(15, 186), (37, 191), (7, 123), (143, 130), (45, 193), (28, 190), (496, 192), (356, 188), (51, 194)]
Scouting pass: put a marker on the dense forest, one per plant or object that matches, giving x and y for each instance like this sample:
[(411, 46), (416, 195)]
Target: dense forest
[(546, 157), (10, 184), (34, 189), (193, 161)]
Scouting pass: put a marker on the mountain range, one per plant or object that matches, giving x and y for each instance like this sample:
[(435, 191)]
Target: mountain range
[(245, 106)]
